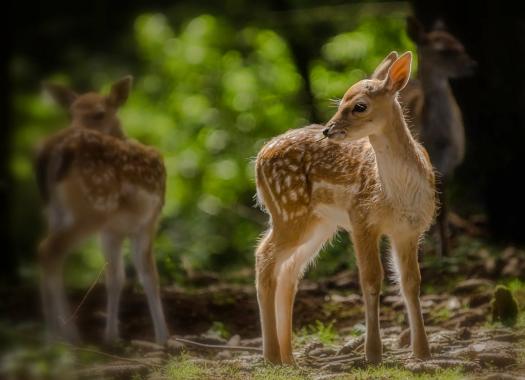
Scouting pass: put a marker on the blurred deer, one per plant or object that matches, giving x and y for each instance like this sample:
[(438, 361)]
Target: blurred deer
[(93, 180), (433, 109), (368, 176)]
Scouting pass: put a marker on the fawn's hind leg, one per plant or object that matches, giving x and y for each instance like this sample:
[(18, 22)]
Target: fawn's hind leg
[(146, 267), (288, 278)]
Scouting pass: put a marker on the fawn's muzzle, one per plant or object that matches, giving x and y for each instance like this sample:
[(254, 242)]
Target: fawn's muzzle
[(334, 131)]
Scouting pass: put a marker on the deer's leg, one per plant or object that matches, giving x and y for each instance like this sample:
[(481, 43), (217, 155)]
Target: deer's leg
[(371, 276), (442, 220), (289, 275), (51, 253), (267, 264), (406, 261), (146, 267), (115, 277)]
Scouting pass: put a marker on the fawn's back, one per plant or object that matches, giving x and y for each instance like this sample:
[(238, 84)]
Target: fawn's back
[(300, 176), (88, 171), (297, 174)]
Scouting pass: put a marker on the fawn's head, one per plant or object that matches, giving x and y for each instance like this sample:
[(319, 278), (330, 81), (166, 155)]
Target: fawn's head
[(93, 110), (365, 107), (444, 54)]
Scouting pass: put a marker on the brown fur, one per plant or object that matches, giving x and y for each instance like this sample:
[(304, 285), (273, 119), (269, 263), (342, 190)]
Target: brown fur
[(93, 180), (104, 165), (369, 177)]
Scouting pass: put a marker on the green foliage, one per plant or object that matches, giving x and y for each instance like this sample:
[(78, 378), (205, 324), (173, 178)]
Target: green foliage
[(219, 329), (38, 363), (442, 315), (324, 333), (352, 56), (207, 96)]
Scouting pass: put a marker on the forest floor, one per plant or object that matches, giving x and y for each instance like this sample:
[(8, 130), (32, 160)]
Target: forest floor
[(328, 337)]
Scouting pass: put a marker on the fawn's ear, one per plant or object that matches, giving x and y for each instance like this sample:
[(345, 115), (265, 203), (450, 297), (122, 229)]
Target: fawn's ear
[(399, 73), (382, 69), (61, 94), (120, 91), (416, 31)]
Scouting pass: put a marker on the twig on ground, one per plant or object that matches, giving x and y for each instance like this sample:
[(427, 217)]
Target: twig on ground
[(218, 346), (77, 309)]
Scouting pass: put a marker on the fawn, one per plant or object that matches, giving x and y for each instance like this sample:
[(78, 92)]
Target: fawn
[(433, 108), (368, 176), (92, 179)]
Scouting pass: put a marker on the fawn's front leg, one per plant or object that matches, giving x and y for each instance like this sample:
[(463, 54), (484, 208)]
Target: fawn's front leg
[(115, 276), (371, 275), (406, 260)]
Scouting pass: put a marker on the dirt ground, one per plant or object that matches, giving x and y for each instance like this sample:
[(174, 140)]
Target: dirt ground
[(329, 330)]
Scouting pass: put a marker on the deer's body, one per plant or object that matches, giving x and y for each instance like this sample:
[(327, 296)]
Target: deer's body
[(437, 119), (299, 176), (369, 177), (86, 175), (93, 180), (433, 108)]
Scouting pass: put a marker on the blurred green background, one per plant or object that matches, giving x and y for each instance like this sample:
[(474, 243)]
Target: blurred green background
[(207, 94), (215, 80)]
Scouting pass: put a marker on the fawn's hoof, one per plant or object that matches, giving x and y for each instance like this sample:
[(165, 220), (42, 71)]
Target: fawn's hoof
[(374, 357), (273, 358), (422, 355), (288, 360)]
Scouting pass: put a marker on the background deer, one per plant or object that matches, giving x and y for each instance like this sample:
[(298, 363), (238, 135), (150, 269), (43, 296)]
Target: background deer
[(433, 108), (369, 177), (93, 180)]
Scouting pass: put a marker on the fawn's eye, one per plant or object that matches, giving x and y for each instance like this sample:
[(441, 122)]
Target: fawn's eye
[(359, 107)]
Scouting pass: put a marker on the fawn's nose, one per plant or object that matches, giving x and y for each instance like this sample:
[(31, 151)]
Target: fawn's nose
[(328, 129)]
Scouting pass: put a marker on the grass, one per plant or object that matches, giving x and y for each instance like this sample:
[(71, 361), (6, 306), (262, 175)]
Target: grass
[(218, 328), (278, 373), (322, 332), (442, 315), (184, 368), (517, 287), (388, 373)]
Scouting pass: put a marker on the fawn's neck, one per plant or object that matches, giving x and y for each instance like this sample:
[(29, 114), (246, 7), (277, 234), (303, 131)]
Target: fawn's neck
[(401, 169), (113, 129)]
